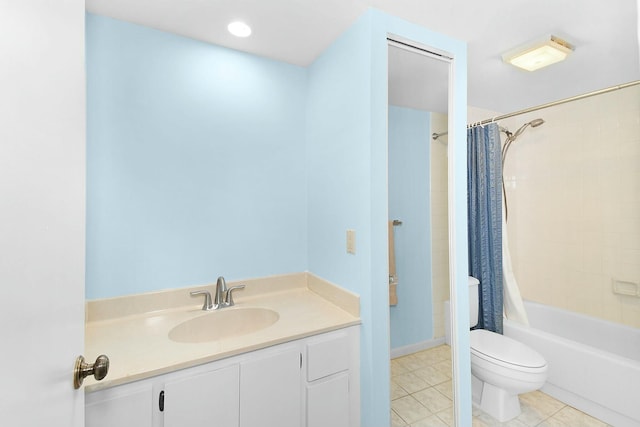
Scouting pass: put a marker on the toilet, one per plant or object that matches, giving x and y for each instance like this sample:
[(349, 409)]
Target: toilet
[(501, 367)]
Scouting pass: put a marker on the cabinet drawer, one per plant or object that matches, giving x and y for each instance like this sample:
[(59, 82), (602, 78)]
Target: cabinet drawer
[(327, 355)]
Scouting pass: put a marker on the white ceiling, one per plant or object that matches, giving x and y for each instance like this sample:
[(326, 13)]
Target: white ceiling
[(297, 31)]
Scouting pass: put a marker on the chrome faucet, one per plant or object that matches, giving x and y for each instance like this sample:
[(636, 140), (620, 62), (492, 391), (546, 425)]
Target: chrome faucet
[(223, 297), (221, 292)]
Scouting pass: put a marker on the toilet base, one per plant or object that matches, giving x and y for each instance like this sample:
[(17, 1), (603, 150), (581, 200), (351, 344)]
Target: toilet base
[(494, 401)]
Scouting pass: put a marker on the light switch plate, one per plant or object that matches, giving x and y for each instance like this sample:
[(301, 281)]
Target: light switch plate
[(351, 241)]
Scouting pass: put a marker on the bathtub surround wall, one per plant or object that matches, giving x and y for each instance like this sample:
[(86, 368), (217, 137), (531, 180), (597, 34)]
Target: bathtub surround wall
[(332, 169), (439, 223), (409, 201), (574, 194)]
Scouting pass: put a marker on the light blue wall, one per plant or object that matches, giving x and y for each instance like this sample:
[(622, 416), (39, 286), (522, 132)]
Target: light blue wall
[(409, 201), (339, 191), (195, 160), (198, 161), (348, 158)]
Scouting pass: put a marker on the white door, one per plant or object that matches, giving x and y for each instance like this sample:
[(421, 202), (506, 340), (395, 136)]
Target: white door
[(42, 205)]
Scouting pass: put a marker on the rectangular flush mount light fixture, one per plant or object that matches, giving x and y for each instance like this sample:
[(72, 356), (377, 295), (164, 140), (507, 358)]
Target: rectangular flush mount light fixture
[(539, 54)]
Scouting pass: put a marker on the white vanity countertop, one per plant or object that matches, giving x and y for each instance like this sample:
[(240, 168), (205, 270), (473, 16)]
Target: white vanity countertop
[(133, 331)]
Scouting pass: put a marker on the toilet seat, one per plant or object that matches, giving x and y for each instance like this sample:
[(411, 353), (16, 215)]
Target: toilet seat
[(503, 351)]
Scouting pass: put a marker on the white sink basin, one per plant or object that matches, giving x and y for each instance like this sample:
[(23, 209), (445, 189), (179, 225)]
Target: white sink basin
[(222, 324)]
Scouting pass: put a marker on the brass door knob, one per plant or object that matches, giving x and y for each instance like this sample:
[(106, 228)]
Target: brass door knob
[(99, 369)]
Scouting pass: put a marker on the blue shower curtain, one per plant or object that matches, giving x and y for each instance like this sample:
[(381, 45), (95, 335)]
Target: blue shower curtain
[(484, 205)]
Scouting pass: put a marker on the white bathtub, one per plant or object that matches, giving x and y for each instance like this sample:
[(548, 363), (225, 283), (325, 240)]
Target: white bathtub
[(594, 365)]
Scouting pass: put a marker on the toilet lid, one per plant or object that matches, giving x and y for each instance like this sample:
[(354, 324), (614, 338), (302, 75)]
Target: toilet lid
[(504, 350)]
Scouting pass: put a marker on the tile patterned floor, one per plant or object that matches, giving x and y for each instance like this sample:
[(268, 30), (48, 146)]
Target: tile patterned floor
[(421, 397)]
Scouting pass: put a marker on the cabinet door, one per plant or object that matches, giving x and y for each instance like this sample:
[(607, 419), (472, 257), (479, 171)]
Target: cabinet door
[(328, 402), (205, 400), (270, 389), (125, 406)]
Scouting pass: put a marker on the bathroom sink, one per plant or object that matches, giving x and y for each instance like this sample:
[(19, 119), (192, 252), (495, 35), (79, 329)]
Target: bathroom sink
[(222, 324)]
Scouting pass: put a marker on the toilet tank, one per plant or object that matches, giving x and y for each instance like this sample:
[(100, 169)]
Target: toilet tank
[(474, 308), (474, 301)]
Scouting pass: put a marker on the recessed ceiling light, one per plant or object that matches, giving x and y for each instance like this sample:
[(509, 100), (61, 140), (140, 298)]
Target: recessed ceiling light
[(239, 29), (539, 54)]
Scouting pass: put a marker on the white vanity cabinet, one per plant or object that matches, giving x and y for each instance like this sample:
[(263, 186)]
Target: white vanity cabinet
[(203, 400), (129, 405), (327, 385), (312, 382), (270, 388)]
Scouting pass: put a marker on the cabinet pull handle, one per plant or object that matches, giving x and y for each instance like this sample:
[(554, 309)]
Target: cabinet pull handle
[(161, 401)]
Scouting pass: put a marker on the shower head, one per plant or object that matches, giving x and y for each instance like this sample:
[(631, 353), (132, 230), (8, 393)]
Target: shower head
[(533, 123), (511, 137)]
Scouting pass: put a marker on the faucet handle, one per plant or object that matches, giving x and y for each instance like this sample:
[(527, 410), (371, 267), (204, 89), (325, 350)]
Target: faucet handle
[(207, 299), (229, 297)]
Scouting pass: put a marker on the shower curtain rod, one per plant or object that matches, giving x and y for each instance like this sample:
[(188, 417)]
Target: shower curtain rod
[(550, 104), (540, 107), (438, 135)]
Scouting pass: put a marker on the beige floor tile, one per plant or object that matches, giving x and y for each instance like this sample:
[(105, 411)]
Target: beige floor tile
[(447, 416), (442, 351), (445, 388), (432, 421), (444, 367), (536, 407), (542, 403), (431, 375), (433, 400), (484, 420), (396, 420), (397, 391), (411, 362), (421, 392), (411, 382), (428, 357), (409, 409), (434, 355), (551, 422), (397, 368), (572, 417)]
